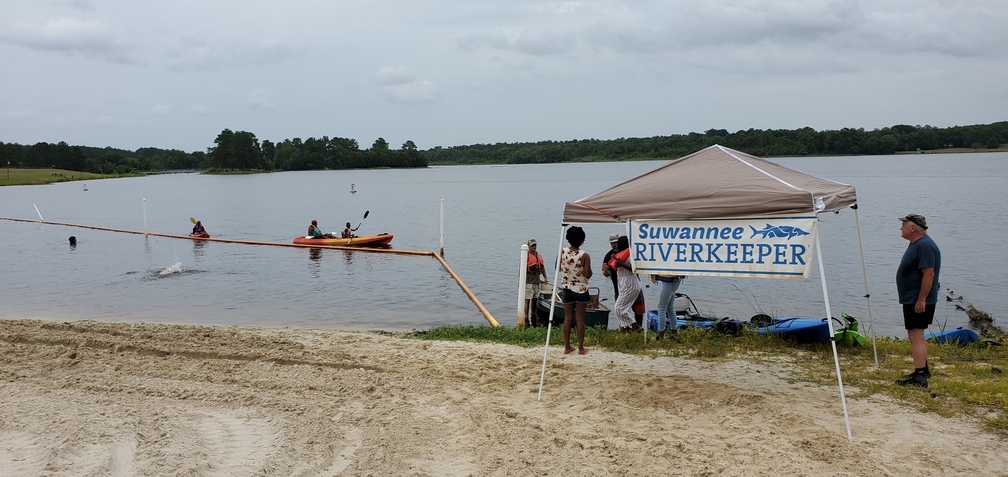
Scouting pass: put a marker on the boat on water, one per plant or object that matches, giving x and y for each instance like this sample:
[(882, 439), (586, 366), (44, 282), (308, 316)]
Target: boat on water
[(380, 240), (596, 314), (203, 235)]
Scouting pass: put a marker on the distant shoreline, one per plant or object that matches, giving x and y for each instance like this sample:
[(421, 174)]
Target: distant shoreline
[(52, 176)]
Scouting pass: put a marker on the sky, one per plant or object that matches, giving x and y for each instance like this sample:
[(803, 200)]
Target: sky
[(173, 74)]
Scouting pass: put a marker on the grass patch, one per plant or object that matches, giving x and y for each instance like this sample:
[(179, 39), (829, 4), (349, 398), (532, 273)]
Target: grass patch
[(44, 176), (967, 381)]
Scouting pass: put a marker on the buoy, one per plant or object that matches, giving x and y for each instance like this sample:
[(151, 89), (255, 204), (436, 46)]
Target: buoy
[(85, 187), (353, 188)]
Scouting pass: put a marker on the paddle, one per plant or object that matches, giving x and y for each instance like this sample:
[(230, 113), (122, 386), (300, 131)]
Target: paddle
[(193, 220), (366, 212)]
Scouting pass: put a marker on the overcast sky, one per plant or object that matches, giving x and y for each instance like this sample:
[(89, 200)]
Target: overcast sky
[(174, 73)]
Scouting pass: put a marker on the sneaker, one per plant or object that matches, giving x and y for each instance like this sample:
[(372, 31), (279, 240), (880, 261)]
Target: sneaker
[(915, 379), (926, 373)]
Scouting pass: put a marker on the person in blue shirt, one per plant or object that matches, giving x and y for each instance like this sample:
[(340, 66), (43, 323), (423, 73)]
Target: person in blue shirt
[(314, 231), (917, 284)]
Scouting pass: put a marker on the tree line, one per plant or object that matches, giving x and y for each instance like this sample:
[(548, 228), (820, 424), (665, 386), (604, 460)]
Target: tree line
[(232, 151), (242, 151), (758, 142)]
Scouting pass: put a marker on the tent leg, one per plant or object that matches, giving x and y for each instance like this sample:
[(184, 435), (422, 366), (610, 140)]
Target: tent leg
[(549, 321), (829, 320), (867, 294)]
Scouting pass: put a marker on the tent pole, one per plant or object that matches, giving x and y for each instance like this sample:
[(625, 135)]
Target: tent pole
[(522, 271), (829, 321), (867, 294), (549, 322)]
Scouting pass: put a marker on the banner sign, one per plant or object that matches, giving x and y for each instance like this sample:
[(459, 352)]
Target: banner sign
[(762, 247)]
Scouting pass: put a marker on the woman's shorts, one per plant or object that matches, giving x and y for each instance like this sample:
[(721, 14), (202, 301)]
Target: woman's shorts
[(572, 297)]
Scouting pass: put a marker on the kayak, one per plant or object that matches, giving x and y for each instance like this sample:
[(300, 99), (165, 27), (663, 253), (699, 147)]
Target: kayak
[(682, 320), (801, 330), (958, 336), (379, 240), (202, 235)]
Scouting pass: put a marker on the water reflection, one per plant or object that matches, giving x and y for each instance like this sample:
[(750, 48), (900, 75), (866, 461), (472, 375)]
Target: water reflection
[(315, 262), (198, 248)]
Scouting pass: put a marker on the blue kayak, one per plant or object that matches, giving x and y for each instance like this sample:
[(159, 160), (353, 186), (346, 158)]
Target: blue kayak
[(682, 321), (801, 330), (959, 335)]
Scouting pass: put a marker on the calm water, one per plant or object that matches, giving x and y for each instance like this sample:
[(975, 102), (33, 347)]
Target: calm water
[(490, 211)]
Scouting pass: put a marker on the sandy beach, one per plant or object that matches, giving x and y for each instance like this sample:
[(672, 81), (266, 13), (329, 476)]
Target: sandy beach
[(100, 399)]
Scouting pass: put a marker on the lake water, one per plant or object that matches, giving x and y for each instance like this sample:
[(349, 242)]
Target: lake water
[(489, 212)]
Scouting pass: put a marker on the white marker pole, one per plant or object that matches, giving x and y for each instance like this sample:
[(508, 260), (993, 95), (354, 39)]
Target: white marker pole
[(145, 215), (40, 219), (442, 227), (522, 271)]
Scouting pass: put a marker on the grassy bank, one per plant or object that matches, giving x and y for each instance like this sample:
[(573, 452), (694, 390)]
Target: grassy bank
[(43, 176), (967, 380)]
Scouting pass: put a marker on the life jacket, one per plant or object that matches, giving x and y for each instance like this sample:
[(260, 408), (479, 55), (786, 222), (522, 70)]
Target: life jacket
[(622, 255), (535, 263)]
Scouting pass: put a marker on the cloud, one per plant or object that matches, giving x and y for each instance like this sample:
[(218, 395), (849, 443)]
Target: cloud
[(198, 54), (107, 120), (81, 5), (199, 110), (398, 86), (70, 36), (261, 99), (534, 41), (161, 110)]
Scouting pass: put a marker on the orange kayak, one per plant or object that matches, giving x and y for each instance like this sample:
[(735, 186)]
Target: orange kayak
[(379, 240), (202, 235)]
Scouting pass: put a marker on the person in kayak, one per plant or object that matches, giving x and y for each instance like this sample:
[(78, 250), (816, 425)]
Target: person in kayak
[(198, 228), (348, 232), (315, 232)]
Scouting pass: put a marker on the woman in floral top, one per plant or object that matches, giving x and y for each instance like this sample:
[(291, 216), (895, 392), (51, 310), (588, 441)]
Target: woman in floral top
[(575, 270)]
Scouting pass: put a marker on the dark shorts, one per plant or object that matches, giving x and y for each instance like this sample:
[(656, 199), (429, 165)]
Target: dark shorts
[(918, 321), (571, 297)]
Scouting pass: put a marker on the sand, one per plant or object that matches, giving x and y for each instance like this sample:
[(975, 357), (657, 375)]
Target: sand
[(100, 399)]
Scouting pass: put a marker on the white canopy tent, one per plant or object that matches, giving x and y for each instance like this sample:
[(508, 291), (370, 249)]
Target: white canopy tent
[(719, 183)]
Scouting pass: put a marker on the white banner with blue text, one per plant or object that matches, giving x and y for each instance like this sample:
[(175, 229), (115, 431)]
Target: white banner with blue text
[(761, 247)]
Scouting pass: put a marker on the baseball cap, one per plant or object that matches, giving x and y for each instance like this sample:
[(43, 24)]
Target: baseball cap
[(613, 238), (531, 242), (314, 222), (916, 219)]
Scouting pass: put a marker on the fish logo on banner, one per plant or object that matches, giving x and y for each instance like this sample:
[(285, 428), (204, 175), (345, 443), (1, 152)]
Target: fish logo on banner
[(767, 247), (772, 231)]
